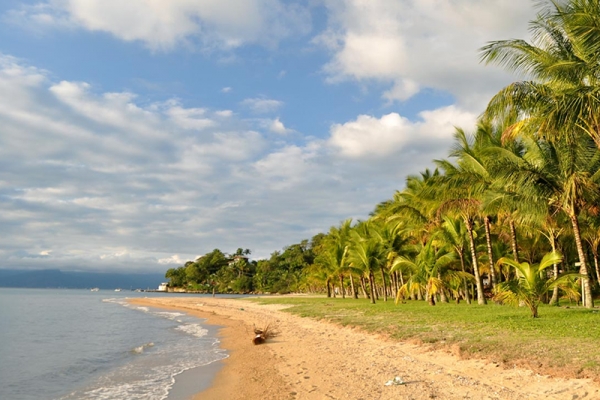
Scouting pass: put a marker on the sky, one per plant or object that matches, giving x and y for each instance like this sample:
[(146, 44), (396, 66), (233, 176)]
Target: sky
[(137, 135)]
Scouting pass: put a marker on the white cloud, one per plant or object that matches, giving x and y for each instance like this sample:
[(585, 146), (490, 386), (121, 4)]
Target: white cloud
[(224, 113), (277, 126), (162, 25), (190, 118), (261, 105), (174, 259), (370, 137), (226, 89), (421, 44), (403, 89), (107, 181)]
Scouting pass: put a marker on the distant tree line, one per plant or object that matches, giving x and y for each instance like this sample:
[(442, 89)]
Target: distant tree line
[(283, 272)]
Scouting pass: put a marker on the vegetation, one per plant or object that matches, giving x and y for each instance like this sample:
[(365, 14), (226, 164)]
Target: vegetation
[(488, 222)]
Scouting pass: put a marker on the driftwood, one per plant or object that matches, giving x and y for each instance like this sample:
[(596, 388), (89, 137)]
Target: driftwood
[(262, 334)]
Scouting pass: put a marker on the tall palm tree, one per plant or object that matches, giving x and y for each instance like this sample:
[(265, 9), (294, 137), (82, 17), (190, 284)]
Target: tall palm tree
[(562, 175), (474, 166), (456, 194)]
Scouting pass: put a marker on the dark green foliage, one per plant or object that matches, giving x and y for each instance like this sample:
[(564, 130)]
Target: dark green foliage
[(235, 273)]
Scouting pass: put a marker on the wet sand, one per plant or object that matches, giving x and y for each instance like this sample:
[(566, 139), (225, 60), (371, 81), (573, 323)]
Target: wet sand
[(317, 360)]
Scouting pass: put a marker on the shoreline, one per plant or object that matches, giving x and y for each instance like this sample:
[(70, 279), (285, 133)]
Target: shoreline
[(312, 359), (239, 375)]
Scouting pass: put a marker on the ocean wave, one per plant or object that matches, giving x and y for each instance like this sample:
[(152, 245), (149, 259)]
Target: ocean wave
[(140, 349), (193, 329)]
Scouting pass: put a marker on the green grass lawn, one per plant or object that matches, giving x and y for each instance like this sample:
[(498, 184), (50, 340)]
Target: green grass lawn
[(563, 341)]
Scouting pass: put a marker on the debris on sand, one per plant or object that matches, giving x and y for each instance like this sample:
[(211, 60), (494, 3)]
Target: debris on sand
[(262, 334)]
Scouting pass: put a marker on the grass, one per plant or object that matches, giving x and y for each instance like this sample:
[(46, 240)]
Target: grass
[(563, 341)]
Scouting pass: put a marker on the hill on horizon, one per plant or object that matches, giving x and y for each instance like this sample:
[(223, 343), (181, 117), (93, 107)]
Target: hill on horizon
[(54, 278)]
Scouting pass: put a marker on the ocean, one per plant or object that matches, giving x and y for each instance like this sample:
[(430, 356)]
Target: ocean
[(77, 344)]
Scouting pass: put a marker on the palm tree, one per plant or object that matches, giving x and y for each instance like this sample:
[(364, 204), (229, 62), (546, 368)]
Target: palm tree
[(474, 167), (452, 233), (561, 175), (395, 241), (366, 254), (458, 195), (531, 284), (564, 62), (430, 269), (338, 242)]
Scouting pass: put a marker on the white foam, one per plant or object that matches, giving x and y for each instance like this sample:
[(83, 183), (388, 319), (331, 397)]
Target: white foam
[(140, 349), (193, 329), (169, 315)]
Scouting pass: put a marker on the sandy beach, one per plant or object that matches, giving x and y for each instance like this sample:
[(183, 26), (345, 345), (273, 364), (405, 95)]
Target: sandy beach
[(318, 360)]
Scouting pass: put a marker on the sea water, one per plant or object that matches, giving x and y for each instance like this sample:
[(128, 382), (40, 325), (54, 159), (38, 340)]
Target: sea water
[(77, 344)]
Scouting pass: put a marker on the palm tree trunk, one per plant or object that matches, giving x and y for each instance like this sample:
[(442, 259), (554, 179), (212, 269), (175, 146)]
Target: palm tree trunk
[(328, 289), (342, 286), (431, 299), (443, 297), (595, 253), (363, 286), (462, 265), (372, 287), (354, 292), (480, 297), (513, 240), (385, 296), (554, 299), (488, 240), (586, 294), (393, 284)]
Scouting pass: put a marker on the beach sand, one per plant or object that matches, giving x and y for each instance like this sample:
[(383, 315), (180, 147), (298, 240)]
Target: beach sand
[(317, 360)]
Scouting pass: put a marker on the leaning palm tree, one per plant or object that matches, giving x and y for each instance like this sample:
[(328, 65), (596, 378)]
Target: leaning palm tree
[(563, 97), (531, 284)]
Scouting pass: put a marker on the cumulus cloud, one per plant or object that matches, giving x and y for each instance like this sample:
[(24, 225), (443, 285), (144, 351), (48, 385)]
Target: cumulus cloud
[(417, 44), (162, 25), (369, 137)]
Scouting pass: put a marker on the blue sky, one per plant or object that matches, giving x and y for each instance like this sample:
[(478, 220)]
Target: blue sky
[(137, 135)]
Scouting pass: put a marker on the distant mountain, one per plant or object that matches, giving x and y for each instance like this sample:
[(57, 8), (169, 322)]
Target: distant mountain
[(53, 278)]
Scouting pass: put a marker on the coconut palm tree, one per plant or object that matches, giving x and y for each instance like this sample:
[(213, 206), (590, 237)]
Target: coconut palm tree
[(453, 234), (561, 175), (563, 99), (366, 254), (430, 270), (457, 195), (392, 234), (531, 284)]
